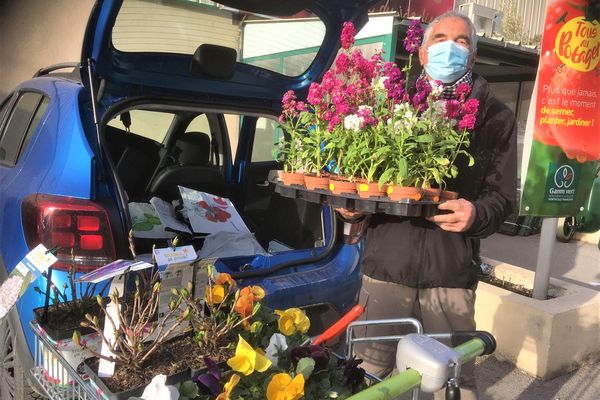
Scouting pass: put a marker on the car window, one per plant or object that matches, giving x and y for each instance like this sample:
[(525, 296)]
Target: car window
[(285, 45), (4, 108), (18, 123), (149, 124), (34, 123), (199, 124), (267, 138)]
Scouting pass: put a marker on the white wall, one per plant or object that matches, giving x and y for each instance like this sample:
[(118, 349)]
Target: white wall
[(38, 33)]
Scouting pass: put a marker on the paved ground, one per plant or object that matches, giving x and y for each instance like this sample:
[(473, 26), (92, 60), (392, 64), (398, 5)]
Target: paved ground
[(578, 262)]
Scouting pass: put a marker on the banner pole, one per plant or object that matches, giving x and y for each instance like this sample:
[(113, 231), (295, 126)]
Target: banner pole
[(544, 258)]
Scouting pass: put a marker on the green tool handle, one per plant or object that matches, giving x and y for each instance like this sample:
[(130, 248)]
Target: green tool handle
[(410, 379)]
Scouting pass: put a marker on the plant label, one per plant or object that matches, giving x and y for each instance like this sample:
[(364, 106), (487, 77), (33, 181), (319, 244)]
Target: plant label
[(26, 271), (177, 255)]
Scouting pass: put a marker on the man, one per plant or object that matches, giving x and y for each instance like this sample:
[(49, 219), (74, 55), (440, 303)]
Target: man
[(422, 267)]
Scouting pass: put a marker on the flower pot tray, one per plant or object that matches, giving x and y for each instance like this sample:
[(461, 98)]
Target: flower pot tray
[(404, 208)]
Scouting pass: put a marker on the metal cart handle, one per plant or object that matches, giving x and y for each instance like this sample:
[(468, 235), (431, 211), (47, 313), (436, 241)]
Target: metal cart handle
[(411, 379)]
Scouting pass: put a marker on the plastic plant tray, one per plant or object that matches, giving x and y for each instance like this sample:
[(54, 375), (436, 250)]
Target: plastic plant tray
[(372, 205)]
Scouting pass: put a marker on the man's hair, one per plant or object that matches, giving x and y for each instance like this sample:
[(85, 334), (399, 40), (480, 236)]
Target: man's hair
[(453, 14)]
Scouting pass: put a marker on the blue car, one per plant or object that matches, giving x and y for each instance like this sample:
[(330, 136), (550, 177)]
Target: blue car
[(165, 94)]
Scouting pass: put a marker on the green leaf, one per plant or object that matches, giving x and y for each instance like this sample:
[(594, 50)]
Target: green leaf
[(471, 161), (189, 389), (442, 160), (385, 177), (305, 367), (424, 138)]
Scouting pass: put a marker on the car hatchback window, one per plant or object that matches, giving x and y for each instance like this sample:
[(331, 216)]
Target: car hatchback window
[(284, 45), (149, 124), (18, 123)]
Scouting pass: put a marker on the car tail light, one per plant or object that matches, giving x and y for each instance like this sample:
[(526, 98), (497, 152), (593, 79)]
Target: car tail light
[(79, 227)]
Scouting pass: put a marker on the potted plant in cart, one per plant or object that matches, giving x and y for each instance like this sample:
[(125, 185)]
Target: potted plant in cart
[(143, 345)]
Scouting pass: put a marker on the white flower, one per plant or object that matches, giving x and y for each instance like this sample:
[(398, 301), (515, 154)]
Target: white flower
[(439, 107), (353, 122), (277, 344), (364, 107), (158, 390), (436, 90), (380, 84)]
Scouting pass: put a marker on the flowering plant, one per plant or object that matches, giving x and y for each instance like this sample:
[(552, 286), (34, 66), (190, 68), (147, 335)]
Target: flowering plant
[(363, 121), (270, 360)]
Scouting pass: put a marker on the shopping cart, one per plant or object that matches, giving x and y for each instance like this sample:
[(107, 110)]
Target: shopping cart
[(425, 363)]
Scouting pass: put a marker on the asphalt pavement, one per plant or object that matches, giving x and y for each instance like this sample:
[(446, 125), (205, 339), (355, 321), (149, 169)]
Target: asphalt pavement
[(577, 262)]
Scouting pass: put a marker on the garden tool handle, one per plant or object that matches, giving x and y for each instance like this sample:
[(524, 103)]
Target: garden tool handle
[(340, 326)]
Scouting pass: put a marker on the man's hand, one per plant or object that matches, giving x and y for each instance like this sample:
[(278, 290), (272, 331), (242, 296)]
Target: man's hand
[(349, 214), (459, 220)]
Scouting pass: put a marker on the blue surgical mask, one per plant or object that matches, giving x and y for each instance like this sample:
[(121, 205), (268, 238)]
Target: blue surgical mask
[(447, 61)]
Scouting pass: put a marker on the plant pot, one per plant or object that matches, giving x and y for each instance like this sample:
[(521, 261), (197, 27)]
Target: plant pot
[(449, 195), (57, 333), (432, 194), (102, 388), (340, 185), (366, 190), (313, 182), (292, 178), (397, 193)]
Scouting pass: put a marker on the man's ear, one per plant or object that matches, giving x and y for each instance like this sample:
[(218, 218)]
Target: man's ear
[(423, 56)]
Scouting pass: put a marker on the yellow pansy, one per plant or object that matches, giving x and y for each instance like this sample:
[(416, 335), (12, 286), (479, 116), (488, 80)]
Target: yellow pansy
[(214, 295), (226, 395), (247, 360), (283, 387), (292, 320)]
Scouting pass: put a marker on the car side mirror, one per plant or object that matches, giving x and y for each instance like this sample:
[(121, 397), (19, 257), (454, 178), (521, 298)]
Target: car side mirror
[(214, 61)]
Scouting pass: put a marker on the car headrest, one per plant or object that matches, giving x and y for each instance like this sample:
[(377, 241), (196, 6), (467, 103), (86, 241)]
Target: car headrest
[(214, 61), (194, 149)]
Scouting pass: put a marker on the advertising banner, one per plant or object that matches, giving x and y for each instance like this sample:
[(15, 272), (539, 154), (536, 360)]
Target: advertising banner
[(565, 132)]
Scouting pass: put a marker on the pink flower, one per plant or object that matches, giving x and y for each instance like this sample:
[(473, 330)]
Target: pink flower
[(342, 63), (452, 108), (315, 94), (348, 33), (301, 106), (470, 106), (467, 122), (462, 90)]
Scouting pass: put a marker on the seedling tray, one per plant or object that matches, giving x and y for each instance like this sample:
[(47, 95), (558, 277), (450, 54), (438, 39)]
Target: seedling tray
[(372, 205)]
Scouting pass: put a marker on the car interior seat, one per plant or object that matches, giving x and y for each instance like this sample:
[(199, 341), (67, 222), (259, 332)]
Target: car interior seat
[(190, 155)]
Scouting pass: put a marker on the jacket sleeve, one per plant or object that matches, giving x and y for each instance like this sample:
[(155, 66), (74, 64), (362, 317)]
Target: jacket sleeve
[(499, 192)]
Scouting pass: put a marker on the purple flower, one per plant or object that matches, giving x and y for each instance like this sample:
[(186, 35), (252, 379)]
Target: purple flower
[(352, 376), (317, 353), (394, 84), (414, 36), (467, 122), (348, 33), (209, 381)]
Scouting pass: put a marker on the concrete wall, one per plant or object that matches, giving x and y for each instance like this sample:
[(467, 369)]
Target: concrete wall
[(38, 33)]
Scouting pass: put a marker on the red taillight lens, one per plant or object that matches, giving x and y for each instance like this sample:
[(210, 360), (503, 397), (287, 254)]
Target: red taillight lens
[(80, 227)]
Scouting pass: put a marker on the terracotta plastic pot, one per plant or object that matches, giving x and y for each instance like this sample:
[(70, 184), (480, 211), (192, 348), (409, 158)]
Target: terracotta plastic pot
[(432, 194), (397, 193), (292, 178), (366, 190), (449, 195), (340, 185), (313, 182)]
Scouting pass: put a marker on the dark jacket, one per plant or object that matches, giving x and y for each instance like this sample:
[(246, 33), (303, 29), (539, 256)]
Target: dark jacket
[(414, 251)]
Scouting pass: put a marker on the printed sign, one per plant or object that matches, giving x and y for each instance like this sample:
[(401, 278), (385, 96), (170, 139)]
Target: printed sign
[(113, 269), (26, 271), (210, 214), (563, 126), (177, 255)]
